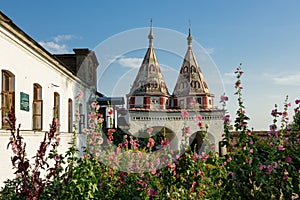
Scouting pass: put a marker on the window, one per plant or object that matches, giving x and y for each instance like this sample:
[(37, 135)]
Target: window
[(56, 106), (193, 69), (37, 108), (199, 100), (8, 95), (185, 69), (152, 68), (70, 115)]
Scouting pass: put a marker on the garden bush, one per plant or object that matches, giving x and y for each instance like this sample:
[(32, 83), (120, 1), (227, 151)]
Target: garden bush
[(118, 166)]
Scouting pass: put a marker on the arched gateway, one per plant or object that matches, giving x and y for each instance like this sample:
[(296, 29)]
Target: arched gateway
[(149, 103)]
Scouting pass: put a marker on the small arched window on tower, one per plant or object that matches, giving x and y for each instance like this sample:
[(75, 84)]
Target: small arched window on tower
[(152, 68), (197, 84), (192, 84), (185, 69), (181, 85), (193, 69)]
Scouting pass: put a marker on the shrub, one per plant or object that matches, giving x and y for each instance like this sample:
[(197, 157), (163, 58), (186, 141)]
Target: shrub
[(118, 166)]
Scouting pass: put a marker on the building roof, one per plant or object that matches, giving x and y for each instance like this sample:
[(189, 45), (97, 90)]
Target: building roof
[(190, 80), (149, 80)]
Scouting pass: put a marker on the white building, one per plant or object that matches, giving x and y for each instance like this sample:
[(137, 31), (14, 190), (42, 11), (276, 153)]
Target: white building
[(38, 86)]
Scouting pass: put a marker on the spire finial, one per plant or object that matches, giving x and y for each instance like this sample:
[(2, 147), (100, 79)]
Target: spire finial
[(190, 38), (150, 36)]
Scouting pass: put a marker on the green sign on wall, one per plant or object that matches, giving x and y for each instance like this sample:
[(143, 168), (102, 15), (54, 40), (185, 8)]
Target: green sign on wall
[(24, 101)]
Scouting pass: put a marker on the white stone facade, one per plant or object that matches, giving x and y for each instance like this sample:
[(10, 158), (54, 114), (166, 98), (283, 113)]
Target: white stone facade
[(28, 63)]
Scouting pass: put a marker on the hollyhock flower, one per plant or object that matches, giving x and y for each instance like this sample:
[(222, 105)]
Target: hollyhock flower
[(251, 150), (200, 124), (273, 127), (275, 165), (150, 130), (288, 159), (111, 111), (251, 142), (271, 144), (237, 84), (188, 130), (93, 104), (5, 119), (270, 169), (197, 118), (286, 139), (230, 173), (150, 143), (226, 118), (165, 142), (229, 159), (297, 101), (184, 114), (280, 148), (223, 99), (285, 176), (192, 102)]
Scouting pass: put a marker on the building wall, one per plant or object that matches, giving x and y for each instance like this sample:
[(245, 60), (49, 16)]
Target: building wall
[(30, 63), (30, 67)]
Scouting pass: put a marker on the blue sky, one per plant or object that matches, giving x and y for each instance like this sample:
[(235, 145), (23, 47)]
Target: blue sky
[(263, 35)]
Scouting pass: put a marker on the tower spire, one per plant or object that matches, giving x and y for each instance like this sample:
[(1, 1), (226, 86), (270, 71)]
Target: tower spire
[(150, 36), (189, 38)]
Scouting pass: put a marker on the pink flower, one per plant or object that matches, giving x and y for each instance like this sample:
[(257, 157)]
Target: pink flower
[(288, 159), (5, 119), (111, 112), (188, 130), (229, 159), (197, 118), (285, 176), (223, 99), (184, 114), (165, 142), (251, 142), (251, 150), (280, 148), (270, 169), (271, 144), (150, 143), (150, 130), (93, 104), (226, 118), (261, 167), (200, 124), (192, 102)]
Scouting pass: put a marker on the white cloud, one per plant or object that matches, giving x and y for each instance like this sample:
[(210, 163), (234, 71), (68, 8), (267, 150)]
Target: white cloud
[(287, 80), (130, 62), (57, 46), (60, 38), (54, 47)]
